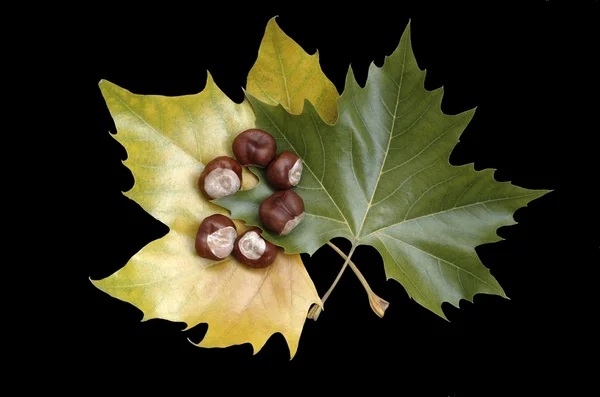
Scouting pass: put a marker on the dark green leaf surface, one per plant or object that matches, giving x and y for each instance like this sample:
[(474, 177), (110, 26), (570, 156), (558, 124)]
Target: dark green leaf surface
[(380, 176)]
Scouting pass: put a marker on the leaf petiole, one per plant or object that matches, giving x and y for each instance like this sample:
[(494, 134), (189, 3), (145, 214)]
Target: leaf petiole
[(314, 312), (378, 304)]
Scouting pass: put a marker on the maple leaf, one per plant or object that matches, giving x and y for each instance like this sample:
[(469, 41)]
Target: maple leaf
[(168, 141), (380, 176)]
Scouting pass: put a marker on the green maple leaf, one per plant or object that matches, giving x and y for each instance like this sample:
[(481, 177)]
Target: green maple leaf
[(380, 176)]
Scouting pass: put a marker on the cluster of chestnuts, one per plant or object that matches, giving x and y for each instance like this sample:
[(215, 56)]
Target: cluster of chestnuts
[(281, 212)]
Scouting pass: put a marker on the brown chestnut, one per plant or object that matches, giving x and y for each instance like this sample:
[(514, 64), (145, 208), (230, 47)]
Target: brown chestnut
[(285, 171), (254, 147), (253, 250), (215, 237), (282, 211), (221, 177)]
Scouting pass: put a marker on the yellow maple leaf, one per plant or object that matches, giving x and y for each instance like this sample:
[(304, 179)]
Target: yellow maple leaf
[(168, 142)]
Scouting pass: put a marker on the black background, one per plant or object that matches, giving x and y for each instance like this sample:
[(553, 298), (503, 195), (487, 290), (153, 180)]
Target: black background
[(528, 70)]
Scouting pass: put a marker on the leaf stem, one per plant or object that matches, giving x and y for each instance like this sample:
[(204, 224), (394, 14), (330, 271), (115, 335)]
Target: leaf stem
[(314, 312), (378, 304)]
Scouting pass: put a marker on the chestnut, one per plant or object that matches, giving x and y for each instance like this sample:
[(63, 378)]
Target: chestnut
[(221, 177), (253, 250), (215, 237), (285, 171), (254, 147), (282, 211)]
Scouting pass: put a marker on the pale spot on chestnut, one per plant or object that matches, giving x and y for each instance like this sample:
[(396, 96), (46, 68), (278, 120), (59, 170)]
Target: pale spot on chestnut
[(253, 250), (285, 171), (215, 237), (221, 177), (252, 245), (221, 183), (221, 241), (295, 173), (291, 224)]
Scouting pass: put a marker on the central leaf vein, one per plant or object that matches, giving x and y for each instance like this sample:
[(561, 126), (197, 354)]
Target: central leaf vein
[(250, 300), (391, 132), (448, 210), (285, 83)]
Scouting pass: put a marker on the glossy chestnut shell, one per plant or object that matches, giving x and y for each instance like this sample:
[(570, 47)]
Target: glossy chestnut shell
[(254, 147), (282, 211), (285, 171)]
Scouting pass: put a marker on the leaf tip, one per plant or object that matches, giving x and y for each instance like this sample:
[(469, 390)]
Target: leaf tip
[(316, 56), (97, 284), (209, 78), (463, 118), (309, 105), (350, 79), (187, 327), (440, 312), (103, 84), (273, 25), (535, 194), (407, 29), (145, 317), (101, 285)]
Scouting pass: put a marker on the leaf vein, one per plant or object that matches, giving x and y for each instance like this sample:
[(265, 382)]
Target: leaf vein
[(324, 217), (245, 308), (443, 260), (166, 138), (322, 148), (425, 148), (403, 182), (402, 270), (388, 147), (285, 83), (427, 191), (417, 120), (444, 211)]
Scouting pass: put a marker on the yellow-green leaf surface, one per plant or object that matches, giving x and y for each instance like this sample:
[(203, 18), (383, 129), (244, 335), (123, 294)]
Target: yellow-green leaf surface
[(285, 74), (168, 141)]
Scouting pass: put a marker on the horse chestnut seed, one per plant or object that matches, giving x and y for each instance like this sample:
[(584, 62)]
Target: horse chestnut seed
[(215, 237), (282, 211), (285, 171), (254, 147), (253, 250), (221, 177)]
